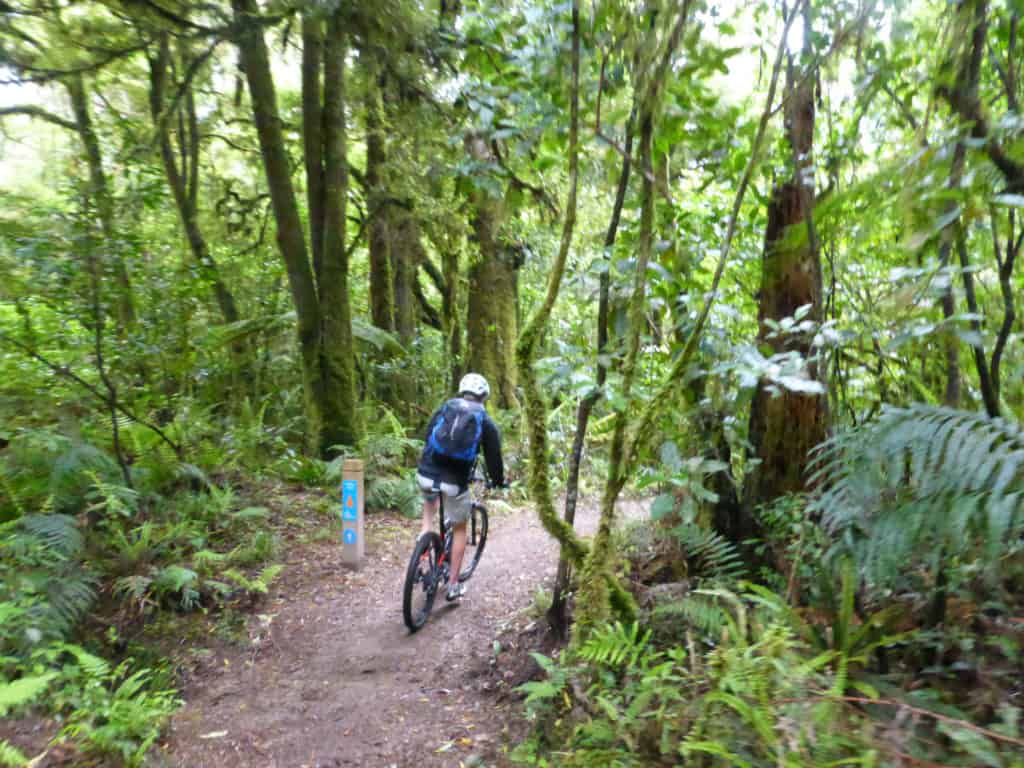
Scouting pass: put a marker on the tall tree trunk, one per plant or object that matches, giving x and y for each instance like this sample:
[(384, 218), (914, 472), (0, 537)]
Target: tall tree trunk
[(101, 196), (382, 300), (491, 318), (600, 591), (290, 239), (406, 252), (785, 428), (313, 128), (337, 354), (450, 313), (1006, 261), (185, 189)]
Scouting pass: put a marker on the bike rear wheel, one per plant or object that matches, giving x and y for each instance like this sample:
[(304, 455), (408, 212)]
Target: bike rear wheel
[(476, 539), (421, 581)]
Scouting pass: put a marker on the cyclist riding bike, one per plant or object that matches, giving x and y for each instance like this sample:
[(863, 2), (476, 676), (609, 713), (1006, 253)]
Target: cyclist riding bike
[(457, 431)]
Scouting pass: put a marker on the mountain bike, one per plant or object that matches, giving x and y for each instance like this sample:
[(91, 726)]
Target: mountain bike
[(429, 570)]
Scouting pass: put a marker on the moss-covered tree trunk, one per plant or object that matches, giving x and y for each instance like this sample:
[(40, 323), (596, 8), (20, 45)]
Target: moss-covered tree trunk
[(491, 314), (382, 303), (406, 252), (325, 337), (595, 600), (451, 323), (784, 428), (557, 614), (337, 354), (571, 547)]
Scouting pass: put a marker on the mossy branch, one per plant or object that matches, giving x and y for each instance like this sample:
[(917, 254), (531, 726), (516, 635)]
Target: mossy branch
[(573, 548), (600, 590)]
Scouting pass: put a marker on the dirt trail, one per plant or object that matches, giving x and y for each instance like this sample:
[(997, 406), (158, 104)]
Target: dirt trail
[(335, 679)]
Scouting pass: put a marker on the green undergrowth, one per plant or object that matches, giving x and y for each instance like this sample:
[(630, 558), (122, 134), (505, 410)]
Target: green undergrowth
[(887, 636), (747, 686), (93, 570), (97, 571)]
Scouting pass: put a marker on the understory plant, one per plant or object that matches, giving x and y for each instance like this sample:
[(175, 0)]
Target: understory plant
[(757, 690)]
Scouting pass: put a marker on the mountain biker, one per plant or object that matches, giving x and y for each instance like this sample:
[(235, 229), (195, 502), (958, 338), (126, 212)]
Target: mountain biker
[(457, 431)]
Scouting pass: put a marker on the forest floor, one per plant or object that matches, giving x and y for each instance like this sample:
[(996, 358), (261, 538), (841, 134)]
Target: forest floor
[(330, 676)]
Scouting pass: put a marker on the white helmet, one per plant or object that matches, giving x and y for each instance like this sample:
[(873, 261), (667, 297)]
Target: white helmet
[(475, 384)]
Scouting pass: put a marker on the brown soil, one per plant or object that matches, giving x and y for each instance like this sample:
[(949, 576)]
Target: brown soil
[(332, 677)]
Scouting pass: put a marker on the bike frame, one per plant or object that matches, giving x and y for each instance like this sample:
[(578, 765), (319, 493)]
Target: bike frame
[(446, 536)]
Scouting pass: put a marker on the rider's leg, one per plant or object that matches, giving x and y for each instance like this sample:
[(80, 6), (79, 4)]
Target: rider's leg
[(429, 508), (458, 549)]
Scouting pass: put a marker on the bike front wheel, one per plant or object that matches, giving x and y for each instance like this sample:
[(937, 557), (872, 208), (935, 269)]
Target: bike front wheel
[(476, 539), (422, 579)]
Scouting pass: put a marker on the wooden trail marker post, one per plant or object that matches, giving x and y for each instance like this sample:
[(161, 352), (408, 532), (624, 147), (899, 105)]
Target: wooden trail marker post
[(353, 540)]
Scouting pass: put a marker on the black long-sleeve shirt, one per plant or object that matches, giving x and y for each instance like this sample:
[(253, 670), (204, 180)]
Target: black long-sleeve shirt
[(456, 472)]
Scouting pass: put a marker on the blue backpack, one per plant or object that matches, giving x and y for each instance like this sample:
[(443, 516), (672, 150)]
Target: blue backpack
[(457, 433)]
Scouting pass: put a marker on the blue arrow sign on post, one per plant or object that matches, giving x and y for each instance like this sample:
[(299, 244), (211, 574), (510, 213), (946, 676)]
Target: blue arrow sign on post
[(353, 537), (349, 499)]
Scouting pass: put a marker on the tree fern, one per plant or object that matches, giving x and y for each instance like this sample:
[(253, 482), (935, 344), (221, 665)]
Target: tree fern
[(921, 481)]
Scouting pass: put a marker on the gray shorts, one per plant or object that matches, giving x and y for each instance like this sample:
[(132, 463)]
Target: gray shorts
[(456, 505)]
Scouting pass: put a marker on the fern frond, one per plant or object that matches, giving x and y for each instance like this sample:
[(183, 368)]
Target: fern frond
[(698, 611), (177, 580), (72, 472), (921, 480), (23, 691), (133, 588), (70, 597), (615, 645), (717, 557), (191, 472), (58, 532), (92, 665), (395, 493), (258, 585)]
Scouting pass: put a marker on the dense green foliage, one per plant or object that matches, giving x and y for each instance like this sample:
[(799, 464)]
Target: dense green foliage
[(685, 241)]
